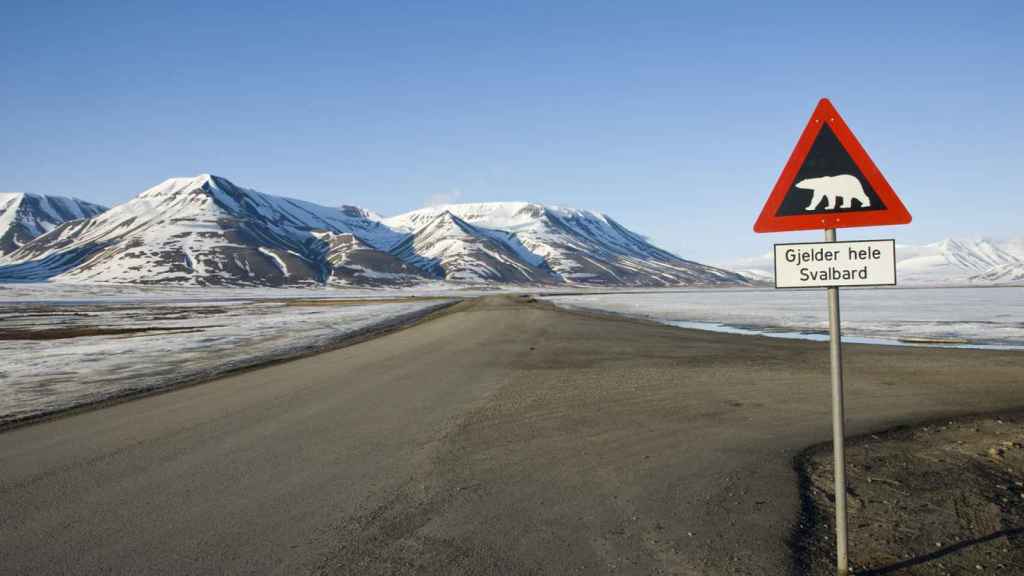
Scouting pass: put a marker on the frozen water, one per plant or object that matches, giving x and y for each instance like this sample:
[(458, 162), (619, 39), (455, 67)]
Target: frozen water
[(982, 316)]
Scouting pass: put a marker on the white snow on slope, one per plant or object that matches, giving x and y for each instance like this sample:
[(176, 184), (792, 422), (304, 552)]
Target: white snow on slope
[(1012, 273), (201, 230), (950, 261), (208, 231), (578, 246), (463, 252), (24, 217), (510, 216), (277, 260), (9, 202), (529, 222)]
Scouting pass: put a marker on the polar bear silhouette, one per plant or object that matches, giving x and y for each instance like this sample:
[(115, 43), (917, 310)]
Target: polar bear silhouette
[(842, 186)]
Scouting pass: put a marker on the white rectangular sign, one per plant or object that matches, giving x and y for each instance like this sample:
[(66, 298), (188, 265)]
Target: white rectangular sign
[(817, 264)]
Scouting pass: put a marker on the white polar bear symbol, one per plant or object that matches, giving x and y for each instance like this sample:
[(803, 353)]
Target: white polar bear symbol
[(842, 186)]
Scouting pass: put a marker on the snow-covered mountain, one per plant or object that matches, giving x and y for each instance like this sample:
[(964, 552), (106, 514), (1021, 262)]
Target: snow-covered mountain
[(208, 231), (949, 262), (450, 247), (1002, 274), (353, 261), (204, 231), (575, 246), (953, 261), (23, 217)]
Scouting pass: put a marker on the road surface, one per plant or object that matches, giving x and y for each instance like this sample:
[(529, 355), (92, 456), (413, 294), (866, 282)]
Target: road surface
[(503, 437)]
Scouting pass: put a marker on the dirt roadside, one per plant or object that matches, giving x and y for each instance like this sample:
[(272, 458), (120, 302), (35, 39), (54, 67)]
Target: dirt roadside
[(943, 498)]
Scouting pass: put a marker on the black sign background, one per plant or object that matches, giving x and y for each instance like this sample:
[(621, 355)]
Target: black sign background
[(827, 157)]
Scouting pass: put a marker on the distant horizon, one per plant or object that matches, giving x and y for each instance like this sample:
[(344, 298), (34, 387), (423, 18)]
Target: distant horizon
[(676, 119)]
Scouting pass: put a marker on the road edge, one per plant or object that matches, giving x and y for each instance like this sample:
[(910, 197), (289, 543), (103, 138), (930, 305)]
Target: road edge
[(389, 326)]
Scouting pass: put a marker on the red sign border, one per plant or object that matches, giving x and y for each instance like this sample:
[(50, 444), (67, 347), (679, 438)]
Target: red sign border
[(894, 213)]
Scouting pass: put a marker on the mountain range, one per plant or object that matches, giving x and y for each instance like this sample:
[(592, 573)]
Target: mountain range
[(206, 230), (949, 262), (23, 217)]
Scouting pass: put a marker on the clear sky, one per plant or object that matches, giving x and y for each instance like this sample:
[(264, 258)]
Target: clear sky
[(674, 118)]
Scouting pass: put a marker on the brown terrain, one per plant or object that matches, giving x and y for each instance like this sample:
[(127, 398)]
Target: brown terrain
[(941, 498)]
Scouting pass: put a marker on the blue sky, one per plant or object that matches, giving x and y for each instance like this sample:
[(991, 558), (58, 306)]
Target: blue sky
[(674, 118)]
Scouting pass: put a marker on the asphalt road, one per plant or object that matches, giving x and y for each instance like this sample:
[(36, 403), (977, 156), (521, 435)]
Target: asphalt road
[(504, 437)]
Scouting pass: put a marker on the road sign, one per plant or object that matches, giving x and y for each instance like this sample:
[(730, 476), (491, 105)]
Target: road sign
[(829, 182), (823, 264)]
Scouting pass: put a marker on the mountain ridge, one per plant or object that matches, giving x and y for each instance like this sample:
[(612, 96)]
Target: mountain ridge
[(457, 250), (971, 261), (24, 216), (578, 246), (206, 230)]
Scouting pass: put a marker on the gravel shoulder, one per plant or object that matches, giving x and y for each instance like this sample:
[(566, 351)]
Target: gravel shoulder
[(942, 498)]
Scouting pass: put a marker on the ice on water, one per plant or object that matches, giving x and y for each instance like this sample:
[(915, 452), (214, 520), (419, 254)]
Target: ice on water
[(983, 316)]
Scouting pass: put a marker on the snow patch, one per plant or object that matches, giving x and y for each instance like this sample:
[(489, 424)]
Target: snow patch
[(277, 261)]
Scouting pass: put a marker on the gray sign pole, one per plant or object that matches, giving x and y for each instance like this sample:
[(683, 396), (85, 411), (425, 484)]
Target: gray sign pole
[(838, 420)]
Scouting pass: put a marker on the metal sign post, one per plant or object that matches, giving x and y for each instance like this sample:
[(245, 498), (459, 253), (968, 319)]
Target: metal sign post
[(838, 419), (830, 182)]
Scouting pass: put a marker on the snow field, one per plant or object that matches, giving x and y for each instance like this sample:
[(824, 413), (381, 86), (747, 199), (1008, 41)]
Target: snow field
[(198, 339)]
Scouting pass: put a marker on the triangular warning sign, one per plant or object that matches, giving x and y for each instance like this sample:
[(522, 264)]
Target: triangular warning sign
[(829, 182)]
